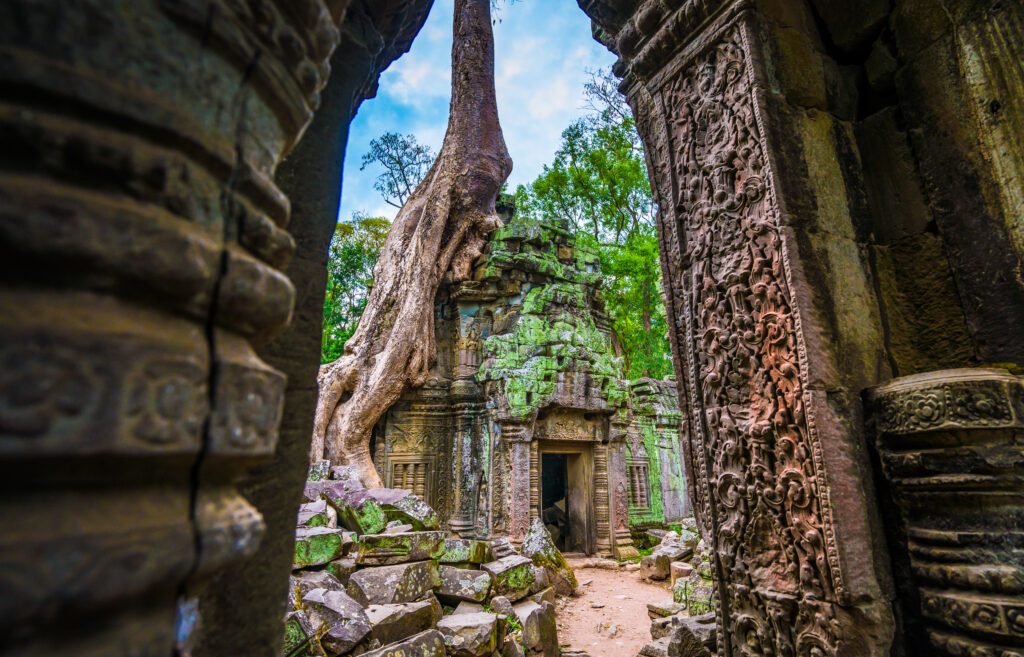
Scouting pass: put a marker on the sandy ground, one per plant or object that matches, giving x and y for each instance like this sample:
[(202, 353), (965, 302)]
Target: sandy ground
[(610, 618)]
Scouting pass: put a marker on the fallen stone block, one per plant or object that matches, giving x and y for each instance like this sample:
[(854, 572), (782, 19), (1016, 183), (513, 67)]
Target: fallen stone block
[(317, 514), (501, 548), (470, 635), (689, 636), (540, 631), (695, 593), (316, 546), (539, 548), (512, 576), (467, 607), (425, 644), (295, 637), (368, 511), (303, 581), (654, 569), (502, 605), (383, 585), (390, 549), (510, 647), (395, 622), (345, 619), (679, 570), (664, 609), (656, 648), (545, 595), (463, 584), (465, 550), (342, 569)]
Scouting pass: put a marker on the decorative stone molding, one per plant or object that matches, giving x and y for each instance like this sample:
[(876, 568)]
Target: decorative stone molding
[(951, 445), (949, 399)]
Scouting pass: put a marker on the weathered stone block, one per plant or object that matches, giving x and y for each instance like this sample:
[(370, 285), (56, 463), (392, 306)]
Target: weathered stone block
[(664, 609), (383, 585), (317, 514), (679, 569), (544, 595), (512, 576), (470, 635), (336, 610), (368, 511), (693, 636), (319, 470), (467, 607), (304, 581), (463, 584), (695, 593), (540, 632), (395, 622), (464, 550), (425, 644), (539, 548), (389, 549), (316, 546), (342, 569)]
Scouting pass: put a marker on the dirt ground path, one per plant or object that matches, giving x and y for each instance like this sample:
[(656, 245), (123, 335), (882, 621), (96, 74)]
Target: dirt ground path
[(610, 618)]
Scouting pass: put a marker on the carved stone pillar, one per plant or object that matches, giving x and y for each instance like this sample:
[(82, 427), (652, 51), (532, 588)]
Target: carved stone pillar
[(771, 353), (952, 450), (618, 491), (143, 241), (602, 502), (468, 411), (510, 481)]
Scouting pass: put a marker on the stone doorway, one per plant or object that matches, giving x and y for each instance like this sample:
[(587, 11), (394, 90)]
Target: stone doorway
[(567, 495)]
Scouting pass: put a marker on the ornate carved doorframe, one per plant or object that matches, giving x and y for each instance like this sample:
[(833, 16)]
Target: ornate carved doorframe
[(780, 483)]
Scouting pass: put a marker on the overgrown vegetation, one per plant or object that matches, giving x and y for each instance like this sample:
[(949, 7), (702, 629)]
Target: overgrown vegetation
[(597, 183)]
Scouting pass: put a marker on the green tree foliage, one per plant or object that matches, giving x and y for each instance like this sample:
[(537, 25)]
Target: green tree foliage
[(353, 253), (598, 184)]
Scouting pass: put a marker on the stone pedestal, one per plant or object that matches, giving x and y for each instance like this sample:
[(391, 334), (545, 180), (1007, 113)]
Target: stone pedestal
[(951, 445)]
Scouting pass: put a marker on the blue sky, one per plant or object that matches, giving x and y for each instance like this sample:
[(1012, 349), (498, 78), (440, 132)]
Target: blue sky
[(543, 49)]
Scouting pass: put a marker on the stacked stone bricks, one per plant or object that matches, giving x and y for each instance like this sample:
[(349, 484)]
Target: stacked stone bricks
[(374, 575)]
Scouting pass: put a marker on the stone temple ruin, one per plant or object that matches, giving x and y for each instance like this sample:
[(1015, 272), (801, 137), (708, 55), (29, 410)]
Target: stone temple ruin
[(528, 411), (839, 212)]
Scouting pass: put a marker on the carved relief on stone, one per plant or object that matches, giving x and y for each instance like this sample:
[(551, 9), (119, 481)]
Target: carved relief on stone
[(951, 445), (571, 425), (757, 458)]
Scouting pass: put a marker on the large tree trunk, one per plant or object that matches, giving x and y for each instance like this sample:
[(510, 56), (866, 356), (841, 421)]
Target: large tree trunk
[(441, 228)]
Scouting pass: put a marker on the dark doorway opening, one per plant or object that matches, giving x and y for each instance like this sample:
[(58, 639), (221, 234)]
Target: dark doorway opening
[(554, 497)]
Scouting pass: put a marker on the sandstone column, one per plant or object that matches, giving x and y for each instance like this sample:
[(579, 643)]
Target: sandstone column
[(952, 449)]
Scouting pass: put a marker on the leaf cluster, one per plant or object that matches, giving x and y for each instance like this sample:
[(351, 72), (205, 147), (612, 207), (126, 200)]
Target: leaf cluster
[(353, 254)]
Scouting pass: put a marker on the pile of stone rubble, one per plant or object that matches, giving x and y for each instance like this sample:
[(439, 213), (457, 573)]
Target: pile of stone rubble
[(684, 627), (374, 576)]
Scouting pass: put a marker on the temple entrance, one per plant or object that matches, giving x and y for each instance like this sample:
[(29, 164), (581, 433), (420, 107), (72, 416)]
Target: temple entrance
[(566, 496)]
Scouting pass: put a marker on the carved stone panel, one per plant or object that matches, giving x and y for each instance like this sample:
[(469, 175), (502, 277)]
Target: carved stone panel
[(761, 487)]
